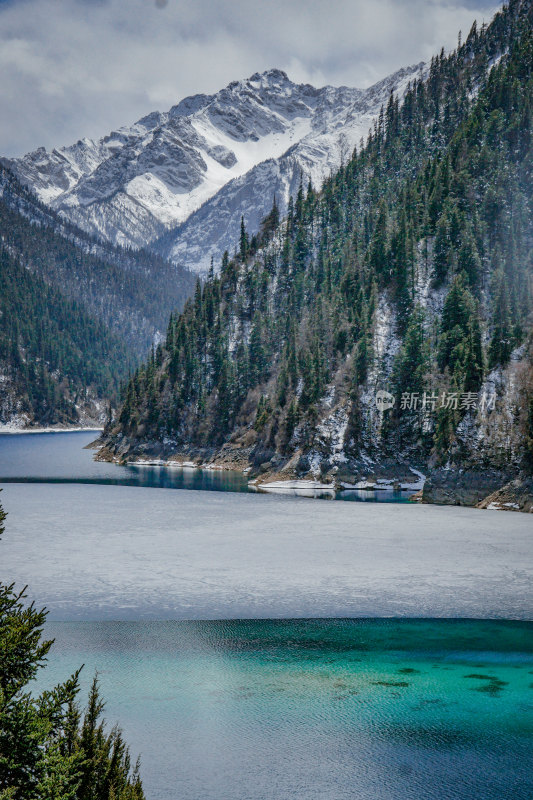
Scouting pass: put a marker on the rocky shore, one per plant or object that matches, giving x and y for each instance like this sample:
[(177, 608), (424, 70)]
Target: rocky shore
[(486, 489)]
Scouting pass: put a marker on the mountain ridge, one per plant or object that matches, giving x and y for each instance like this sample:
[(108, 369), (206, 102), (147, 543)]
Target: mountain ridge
[(133, 292), (131, 186), (316, 155)]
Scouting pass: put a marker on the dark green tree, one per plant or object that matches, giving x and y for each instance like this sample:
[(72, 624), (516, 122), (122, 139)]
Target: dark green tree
[(243, 241), (501, 343), (45, 752), (413, 360)]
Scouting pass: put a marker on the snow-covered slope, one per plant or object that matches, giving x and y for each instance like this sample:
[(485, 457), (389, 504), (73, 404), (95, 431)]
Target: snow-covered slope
[(339, 119), (233, 149)]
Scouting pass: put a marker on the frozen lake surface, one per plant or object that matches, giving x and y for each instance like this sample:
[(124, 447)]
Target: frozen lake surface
[(115, 552)]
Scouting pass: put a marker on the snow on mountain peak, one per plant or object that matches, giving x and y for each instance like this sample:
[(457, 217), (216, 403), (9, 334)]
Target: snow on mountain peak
[(167, 169)]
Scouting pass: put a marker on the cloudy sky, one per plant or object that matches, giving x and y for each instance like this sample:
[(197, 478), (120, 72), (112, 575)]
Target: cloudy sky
[(73, 68)]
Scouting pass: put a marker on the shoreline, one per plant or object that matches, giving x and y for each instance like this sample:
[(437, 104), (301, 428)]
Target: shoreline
[(490, 490), (7, 430), (274, 482)]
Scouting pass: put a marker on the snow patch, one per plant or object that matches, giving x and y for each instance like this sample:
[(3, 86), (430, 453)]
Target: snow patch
[(15, 429), (302, 488)]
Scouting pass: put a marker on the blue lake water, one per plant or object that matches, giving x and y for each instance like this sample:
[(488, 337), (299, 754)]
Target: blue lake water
[(65, 458), (369, 710), (62, 458)]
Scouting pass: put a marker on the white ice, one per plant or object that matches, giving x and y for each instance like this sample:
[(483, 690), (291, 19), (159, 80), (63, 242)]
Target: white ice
[(109, 552)]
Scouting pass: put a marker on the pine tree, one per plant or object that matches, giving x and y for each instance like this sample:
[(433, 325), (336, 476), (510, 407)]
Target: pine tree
[(442, 251), (291, 420), (378, 251), (460, 348), (44, 753), (501, 344), (256, 351), (243, 241), (468, 260), (412, 364), (270, 223), (402, 260)]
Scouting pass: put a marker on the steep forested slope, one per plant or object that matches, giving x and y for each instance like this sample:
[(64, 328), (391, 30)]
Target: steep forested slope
[(409, 272), (58, 365), (133, 292), (76, 315)]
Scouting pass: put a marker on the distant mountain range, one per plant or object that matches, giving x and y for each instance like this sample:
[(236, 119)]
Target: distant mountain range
[(101, 233), (179, 181)]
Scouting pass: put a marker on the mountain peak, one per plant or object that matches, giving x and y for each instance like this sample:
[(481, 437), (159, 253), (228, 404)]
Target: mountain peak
[(142, 180), (270, 76)]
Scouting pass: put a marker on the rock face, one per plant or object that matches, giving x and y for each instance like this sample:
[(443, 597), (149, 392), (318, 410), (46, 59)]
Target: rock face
[(456, 487), (487, 489), (514, 496), (191, 172)]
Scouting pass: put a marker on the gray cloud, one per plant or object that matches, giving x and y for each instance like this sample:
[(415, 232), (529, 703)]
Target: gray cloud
[(73, 68)]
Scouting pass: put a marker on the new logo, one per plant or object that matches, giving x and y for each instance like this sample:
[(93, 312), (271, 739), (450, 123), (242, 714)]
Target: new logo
[(384, 400)]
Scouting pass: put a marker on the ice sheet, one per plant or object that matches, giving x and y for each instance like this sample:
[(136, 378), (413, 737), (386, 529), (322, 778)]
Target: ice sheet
[(110, 552)]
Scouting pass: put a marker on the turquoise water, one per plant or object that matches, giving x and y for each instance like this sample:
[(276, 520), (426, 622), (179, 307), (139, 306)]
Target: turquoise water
[(61, 458), (369, 709)]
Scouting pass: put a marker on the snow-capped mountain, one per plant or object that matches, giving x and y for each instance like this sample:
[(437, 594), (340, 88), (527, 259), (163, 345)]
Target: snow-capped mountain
[(181, 179), (341, 118)]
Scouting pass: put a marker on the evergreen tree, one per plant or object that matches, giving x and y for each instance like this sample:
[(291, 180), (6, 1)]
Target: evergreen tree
[(460, 348), (291, 420), (45, 753), (243, 241), (443, 250), (468, 260), (413, 360), (501, 344), (378, 251)]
